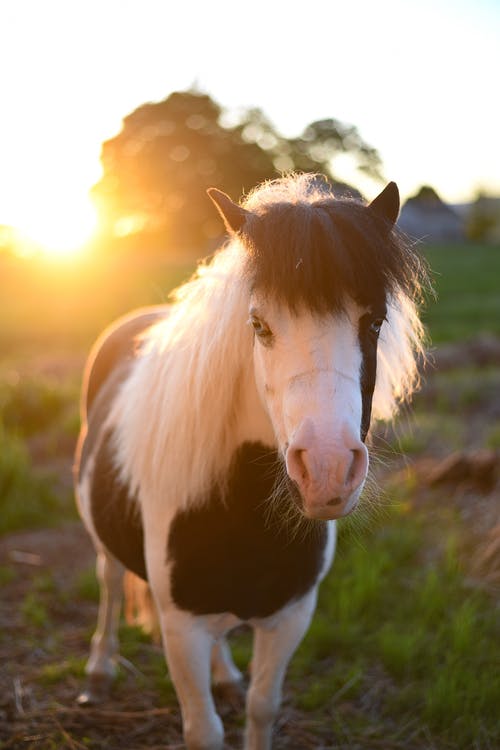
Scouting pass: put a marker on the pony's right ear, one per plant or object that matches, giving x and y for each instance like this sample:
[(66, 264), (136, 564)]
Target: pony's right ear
[(234, 216)]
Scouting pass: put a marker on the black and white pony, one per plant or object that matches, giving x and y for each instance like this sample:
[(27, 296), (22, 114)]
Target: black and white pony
[(210, 426)]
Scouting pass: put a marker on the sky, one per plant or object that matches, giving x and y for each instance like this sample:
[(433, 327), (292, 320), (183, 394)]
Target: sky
[(418, 78)]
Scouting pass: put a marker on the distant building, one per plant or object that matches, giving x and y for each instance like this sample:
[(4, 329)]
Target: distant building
[(426, 217)]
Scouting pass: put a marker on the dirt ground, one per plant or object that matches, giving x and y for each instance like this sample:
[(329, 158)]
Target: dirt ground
[(38, 711)]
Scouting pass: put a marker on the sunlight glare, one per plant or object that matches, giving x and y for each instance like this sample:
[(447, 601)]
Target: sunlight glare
[(62, 233)]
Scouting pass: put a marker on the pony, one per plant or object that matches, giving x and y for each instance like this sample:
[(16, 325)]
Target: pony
[(223, 435)]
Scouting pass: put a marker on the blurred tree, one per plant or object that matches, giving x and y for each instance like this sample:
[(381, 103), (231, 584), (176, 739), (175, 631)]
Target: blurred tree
[(483, 220), (322, 140), (156, 170)]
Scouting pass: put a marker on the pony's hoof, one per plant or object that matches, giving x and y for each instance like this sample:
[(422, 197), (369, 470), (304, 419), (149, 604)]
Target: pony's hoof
[(231, 696), (96, 690)]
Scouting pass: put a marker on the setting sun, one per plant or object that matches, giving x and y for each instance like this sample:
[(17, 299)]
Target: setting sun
[(62, 233), (46, 200), (62, 103)]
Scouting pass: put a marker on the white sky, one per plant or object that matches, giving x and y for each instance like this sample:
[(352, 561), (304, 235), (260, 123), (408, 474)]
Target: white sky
[(419, 78)]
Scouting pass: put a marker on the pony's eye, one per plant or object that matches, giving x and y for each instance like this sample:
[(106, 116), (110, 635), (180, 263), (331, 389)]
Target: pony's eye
[(261, 329), (376, 325)]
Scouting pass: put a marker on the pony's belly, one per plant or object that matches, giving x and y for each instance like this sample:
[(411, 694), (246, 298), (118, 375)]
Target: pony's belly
[(233, 556)]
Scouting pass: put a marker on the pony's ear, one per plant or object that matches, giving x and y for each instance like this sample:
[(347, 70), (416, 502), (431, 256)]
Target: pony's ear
[(234, 216), (386, 204)]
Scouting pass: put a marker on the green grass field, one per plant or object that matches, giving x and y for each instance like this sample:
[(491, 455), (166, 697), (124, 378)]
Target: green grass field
[(467, 283), (404, 649), (50, 306)]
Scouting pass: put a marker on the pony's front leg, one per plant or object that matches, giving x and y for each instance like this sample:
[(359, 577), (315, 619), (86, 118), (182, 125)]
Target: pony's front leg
[(101, 665), (274, 645), (188, 646)]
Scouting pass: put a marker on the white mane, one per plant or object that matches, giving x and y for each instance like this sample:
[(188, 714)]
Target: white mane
[(176, 416), (400, 348), (177, 413)]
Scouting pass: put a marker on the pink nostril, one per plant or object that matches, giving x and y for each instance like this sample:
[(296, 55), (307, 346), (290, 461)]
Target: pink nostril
[(358, 468), (296, 465)]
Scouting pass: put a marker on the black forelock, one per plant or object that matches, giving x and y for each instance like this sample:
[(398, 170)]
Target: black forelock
[(317, 255)]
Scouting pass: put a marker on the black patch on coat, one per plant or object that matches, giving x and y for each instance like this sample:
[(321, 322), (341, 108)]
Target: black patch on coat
[(115, 515), (229, 556), (319, 253), (368, 342)]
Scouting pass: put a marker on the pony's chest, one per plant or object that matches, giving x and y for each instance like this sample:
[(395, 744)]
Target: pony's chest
[(235, 556)]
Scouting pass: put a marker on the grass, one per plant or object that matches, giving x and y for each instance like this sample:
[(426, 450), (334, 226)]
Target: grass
[(54, 673), (466, 281), (86, 586), (30, 405), (463, 389), (34, 611), (453, 412), (385, 610), (493, 439), (426, 429), (70, 304), (28, 497), (7, 574), (38, 428)]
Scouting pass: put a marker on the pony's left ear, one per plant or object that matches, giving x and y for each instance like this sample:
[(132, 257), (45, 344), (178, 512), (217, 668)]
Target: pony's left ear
[(234, 216), (386, 204)]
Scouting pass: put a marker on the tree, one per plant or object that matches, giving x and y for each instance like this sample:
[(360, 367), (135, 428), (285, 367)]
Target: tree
[(156, 170), (483, 219), (322, 140)]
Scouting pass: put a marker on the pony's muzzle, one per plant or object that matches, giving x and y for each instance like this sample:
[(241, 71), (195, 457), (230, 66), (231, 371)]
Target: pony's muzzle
[(329, 482)]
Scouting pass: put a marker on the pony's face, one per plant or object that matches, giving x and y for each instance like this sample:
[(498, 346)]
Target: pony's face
[(307, 257), (308, 373)]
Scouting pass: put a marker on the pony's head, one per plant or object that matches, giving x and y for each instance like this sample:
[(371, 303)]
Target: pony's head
[(331, 298)]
